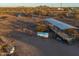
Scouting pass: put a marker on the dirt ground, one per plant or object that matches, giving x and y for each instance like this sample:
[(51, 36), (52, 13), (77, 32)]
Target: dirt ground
[(25, 49), (8, 25), (35, 46), (29, 45)]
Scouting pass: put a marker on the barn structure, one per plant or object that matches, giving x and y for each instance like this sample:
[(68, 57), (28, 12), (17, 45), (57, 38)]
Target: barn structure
[(62, 31)]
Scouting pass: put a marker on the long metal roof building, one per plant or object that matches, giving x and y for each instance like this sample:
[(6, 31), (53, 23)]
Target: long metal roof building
[(59, 24)]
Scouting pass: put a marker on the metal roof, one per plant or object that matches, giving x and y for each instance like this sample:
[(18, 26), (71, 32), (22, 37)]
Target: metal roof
[(59, 24)]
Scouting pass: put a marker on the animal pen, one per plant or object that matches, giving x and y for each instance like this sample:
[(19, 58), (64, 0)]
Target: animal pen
[(62, 31)]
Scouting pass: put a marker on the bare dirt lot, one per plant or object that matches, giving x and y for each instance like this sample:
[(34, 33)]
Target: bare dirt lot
[(29, 45)]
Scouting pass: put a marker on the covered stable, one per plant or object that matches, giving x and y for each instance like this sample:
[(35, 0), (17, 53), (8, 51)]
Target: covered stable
[(61, 27), (59, 24)]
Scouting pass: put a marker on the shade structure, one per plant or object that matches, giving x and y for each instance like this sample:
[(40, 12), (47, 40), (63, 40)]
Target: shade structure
[(59, 24)]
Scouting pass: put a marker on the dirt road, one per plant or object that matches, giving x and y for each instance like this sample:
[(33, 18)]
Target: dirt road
[(31, 45)]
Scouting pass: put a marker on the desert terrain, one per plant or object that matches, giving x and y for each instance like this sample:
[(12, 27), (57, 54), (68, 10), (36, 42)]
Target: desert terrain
[(22, 29)]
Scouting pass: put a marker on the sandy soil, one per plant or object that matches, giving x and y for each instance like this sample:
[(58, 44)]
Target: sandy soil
[(28, 45)]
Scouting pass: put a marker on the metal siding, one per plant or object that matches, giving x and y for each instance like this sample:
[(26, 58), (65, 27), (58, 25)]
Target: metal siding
[(59, 24)]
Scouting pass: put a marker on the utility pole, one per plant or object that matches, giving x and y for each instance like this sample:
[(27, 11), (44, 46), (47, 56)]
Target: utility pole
[(61, 4)]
